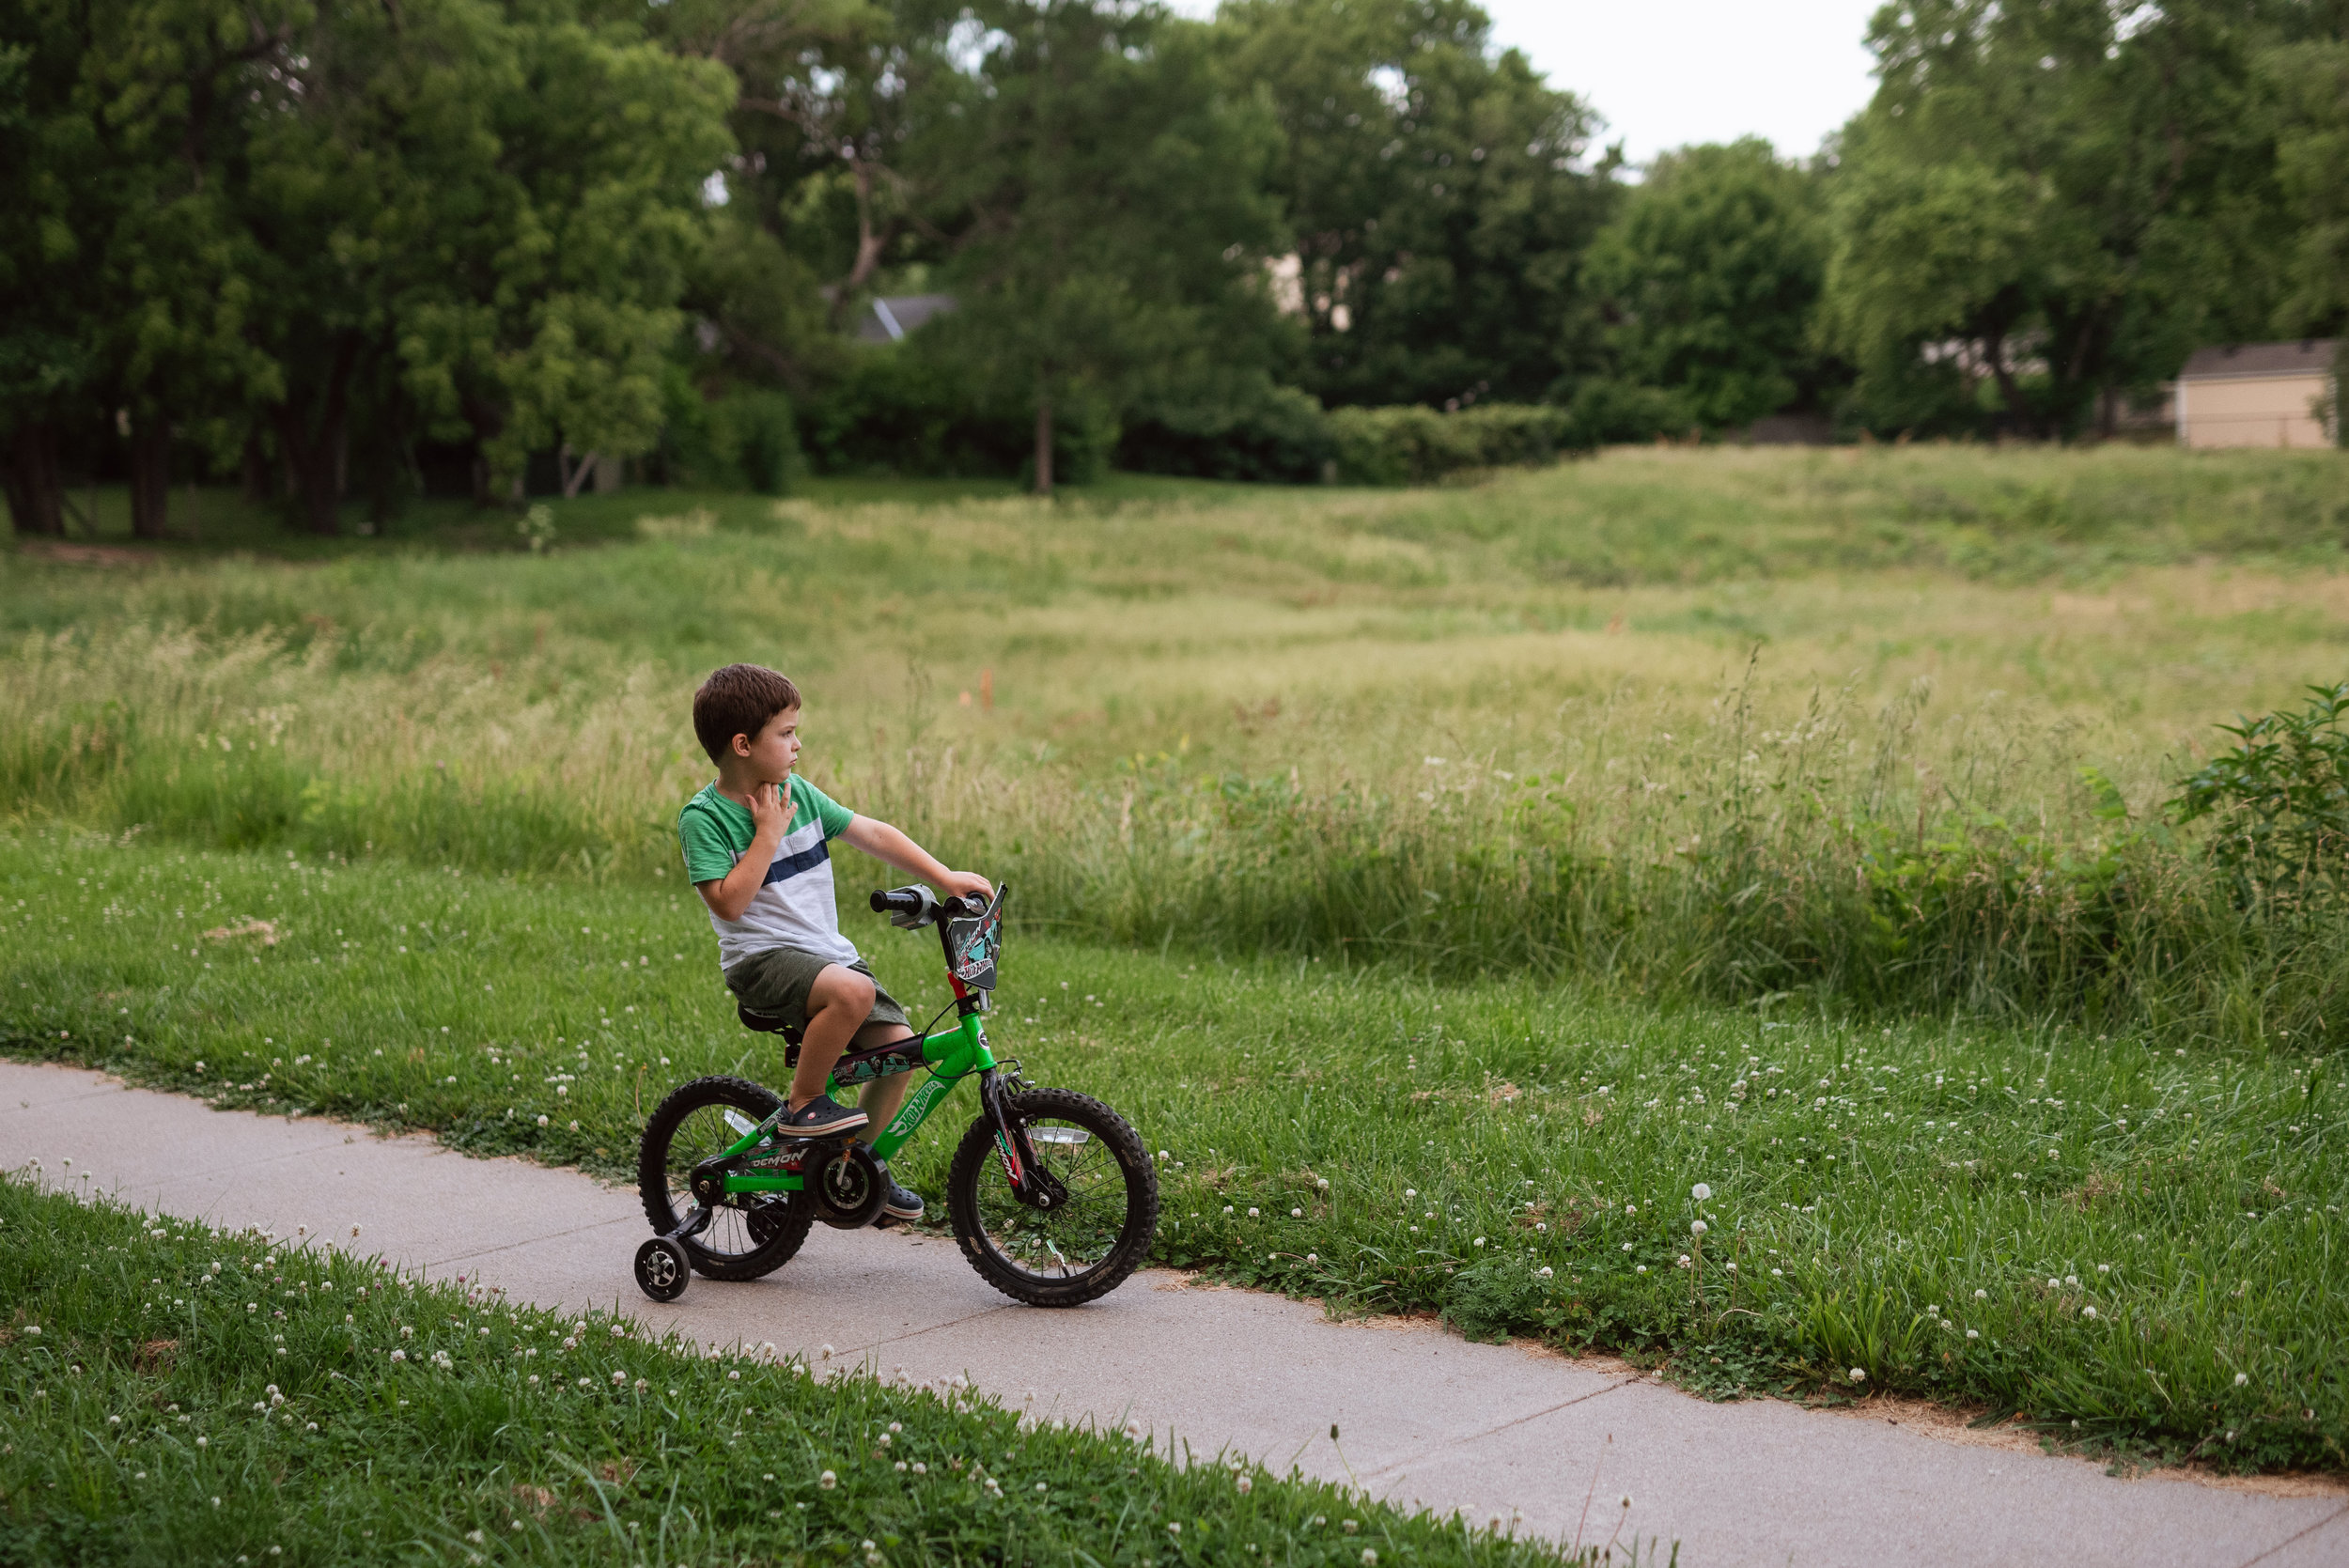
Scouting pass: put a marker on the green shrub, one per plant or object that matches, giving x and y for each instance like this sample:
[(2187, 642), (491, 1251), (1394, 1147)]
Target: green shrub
[(1416, 445), (1611, 411), (900, 411), (2279, 800), (1252, 431), (755, 434)]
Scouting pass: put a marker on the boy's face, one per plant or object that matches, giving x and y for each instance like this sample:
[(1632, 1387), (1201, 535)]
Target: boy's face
[(774, 750)]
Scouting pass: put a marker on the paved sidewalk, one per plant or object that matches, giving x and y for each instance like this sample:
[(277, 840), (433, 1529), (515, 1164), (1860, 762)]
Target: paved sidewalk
[(1424, 1416)]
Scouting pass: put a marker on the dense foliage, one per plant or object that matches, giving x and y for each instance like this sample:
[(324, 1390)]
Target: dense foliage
[(356, 252)]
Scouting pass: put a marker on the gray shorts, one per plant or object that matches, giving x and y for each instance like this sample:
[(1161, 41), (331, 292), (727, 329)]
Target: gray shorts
[(776, 983)]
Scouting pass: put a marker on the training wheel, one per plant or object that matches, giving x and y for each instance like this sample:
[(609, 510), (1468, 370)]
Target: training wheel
[(661, 1271)]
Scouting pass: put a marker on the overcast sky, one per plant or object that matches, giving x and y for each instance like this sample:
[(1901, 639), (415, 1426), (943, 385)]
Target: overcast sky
[(1671, 71), (1666, 72)]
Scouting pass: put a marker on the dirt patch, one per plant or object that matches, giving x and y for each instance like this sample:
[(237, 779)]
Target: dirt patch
[(1955, 1425), (266, 930), (1950, 1424)]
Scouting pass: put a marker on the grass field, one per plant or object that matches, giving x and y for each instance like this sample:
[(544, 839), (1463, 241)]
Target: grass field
[(2130, 1236), (366, 1418), (1374, 834), (1731, 724)]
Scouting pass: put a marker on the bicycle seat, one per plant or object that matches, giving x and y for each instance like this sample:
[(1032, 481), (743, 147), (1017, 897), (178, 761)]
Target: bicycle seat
[(764, 1024)]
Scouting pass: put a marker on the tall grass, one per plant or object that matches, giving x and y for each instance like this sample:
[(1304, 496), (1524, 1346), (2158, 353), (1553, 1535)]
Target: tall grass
[(1374, 727)]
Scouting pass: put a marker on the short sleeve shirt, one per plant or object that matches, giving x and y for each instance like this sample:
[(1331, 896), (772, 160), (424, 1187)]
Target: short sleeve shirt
[(794, 906)]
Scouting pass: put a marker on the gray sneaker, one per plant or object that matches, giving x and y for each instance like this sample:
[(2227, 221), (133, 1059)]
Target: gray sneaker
[(900, 1204), (820, 1118)]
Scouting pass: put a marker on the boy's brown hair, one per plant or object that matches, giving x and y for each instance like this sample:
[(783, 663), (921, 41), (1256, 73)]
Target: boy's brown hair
[(739, 700)]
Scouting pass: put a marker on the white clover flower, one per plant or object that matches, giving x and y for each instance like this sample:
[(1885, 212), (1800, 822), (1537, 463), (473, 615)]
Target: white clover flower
[(1698, 1227), (1242, 1484), (1296, 1214), (1478, 1242), (2241, 1378), (2088, 1311), (1546, 1272), (399, 1355), (1974, 1333), (1701, 1192), (1251, 1213), (1982, 1296), (1858, 1376)]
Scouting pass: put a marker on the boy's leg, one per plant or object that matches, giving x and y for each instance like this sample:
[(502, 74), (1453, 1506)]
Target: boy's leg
[(883, 1095), (837, 1006)]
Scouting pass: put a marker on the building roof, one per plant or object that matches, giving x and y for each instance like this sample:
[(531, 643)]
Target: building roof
[(887, 319), (2310, 356)]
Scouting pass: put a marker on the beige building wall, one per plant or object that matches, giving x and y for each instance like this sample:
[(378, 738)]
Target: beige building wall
[(2252, 411)]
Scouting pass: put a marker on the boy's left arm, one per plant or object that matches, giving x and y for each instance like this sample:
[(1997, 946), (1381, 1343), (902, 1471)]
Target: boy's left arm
[(885, 843)]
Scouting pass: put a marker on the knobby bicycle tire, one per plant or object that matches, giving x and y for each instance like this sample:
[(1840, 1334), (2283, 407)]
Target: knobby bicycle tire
[(785, 1223), (975, 1158)]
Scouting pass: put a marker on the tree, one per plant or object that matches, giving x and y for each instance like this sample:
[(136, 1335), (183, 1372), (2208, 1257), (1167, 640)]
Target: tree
[(51, 179), (2062, 198), (1711, 269), (1109, 209), (1438, 196), (2310, 80)]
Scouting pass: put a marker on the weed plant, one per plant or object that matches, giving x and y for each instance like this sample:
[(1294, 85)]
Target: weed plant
[(2135, 1243), (172, 1393)]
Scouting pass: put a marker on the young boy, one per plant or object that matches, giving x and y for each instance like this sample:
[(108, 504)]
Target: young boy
[(754, 842)]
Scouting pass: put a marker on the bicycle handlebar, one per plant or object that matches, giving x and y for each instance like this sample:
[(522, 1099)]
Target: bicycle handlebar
[(917, 905)]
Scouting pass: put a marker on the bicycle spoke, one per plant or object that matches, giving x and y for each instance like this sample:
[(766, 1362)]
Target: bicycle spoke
[(1071, 1240)]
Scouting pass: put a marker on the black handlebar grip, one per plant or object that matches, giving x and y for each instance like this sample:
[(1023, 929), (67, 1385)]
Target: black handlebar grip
[(896, 901)]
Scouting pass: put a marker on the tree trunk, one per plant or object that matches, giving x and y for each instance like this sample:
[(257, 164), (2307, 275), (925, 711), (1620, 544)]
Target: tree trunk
[(1044, 446), (28, 470), (314, 459), (150, 478)]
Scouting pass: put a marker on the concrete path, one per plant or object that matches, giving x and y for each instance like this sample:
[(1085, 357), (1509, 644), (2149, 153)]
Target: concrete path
[(1424, 1416)]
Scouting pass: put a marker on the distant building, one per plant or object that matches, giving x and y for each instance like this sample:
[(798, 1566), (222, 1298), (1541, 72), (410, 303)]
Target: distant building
[(2259, 394), (887, 319)]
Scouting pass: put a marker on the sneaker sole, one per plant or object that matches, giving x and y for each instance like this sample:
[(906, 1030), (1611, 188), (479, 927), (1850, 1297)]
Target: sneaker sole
[(855, 1121), (895, 1213)]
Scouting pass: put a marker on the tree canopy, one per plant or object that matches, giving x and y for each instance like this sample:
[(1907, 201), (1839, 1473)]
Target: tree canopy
[(350, 251)]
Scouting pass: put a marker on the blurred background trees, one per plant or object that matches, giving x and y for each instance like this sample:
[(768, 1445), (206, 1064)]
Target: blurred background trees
[(346, 254)]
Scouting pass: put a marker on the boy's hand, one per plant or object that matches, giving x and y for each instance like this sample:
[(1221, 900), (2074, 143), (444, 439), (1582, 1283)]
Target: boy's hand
[(962, 884), (769, 813)]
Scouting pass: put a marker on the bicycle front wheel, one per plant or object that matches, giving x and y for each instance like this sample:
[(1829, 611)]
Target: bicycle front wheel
[(1086, 1244)]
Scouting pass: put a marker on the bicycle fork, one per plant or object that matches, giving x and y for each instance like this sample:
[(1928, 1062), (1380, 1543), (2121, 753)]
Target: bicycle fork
[(1029, 1182)]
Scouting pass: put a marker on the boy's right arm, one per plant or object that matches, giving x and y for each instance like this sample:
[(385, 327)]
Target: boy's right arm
[(730, 895)]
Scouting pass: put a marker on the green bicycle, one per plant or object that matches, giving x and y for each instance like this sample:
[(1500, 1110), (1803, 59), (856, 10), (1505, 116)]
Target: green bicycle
[(1051, 1195)]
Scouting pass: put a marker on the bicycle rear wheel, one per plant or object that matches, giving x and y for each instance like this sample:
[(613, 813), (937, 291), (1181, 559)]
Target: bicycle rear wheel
[(1088, 1244), (698, 1120)]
